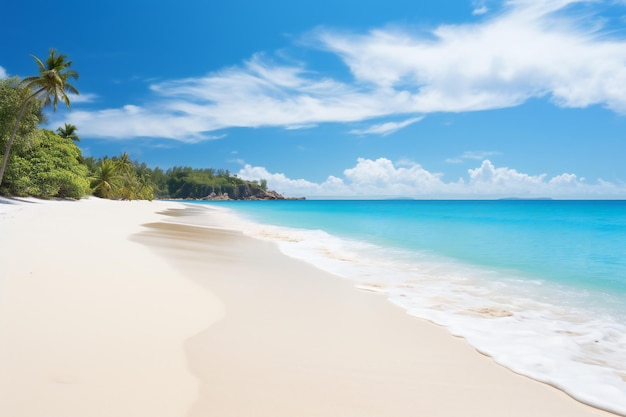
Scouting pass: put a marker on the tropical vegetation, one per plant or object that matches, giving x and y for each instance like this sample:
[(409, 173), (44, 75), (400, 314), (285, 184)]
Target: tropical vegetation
[(42, 163), (122, 178), (49, 87), (50, 166), (68, 131)]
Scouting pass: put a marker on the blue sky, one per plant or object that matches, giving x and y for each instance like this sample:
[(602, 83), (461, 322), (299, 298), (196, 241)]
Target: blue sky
[(394, 98)]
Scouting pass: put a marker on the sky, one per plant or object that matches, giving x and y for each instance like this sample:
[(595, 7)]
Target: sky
[(347, 99)]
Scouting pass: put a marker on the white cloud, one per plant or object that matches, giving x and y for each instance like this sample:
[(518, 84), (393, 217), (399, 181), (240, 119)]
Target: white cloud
[(82, 98), (565, 179), (488, 179), (387, 128), (382, 178), (297, 187), (377, 178), (134, 121), (3, 73), (258, 94), (473, 155), (530, 49), (480, 8)]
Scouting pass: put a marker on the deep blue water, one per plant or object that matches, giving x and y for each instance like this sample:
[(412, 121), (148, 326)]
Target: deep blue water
[(539, 285)]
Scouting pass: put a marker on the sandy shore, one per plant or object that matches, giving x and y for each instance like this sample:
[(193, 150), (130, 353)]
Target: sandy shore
[(110, 309)]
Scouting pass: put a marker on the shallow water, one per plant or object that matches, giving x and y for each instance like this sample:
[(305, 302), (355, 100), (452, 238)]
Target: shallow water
[(538, 285)]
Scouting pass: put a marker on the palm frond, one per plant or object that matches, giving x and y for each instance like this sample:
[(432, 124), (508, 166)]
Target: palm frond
[(51, 83)]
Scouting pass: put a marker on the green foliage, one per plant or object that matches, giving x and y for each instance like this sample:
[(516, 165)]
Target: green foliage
[(119, 178), (12, 95), (52, 82), (50, 168), (68, 131), (91, 164), (45, 164), (157, 179), (105, 181), (186, 182), (49, 86)]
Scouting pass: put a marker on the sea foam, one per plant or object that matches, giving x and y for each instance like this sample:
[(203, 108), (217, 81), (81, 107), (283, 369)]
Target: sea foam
[(540, 329)]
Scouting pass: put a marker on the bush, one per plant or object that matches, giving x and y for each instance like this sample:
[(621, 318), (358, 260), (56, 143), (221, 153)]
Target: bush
[(50, 168)]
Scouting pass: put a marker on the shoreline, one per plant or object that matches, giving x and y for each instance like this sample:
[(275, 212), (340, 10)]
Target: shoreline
[(500, 317), (257, 332)]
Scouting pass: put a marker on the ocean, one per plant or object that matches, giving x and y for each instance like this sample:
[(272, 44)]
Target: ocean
[(539, 285)]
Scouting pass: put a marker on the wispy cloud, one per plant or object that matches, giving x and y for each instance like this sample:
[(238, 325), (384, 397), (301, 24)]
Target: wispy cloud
[(472, 155), (382, 178), (387, 128), (480, 8), (530, 49), (82, 98)]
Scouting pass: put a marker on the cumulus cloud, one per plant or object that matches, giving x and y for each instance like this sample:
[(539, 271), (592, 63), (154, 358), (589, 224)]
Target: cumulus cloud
[(529, 49), (293, 187), (385, 179), (566, 179), (487, 179), (3, 73)]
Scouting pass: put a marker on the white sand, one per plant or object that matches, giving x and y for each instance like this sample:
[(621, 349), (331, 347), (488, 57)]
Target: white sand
[(100, 316), (91, 323)]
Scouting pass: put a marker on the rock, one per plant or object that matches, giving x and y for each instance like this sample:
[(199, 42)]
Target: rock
[(214, 196), (254, 194)]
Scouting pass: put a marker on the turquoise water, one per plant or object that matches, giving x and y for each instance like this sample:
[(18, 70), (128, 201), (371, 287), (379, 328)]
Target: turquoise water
[(538, 285), (572, 242)]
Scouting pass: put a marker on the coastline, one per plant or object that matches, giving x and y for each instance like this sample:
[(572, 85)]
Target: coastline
[(245, 329)]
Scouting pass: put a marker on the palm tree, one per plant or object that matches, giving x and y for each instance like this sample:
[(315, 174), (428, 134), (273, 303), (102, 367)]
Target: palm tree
[(106, 182), (145, 191), (49, 86), (124, 164), (68, 132), (129, 186)]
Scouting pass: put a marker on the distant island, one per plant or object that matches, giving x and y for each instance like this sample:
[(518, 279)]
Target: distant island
[(524, 198)]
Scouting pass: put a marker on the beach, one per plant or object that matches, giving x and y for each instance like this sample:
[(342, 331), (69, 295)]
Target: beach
[(112, 308)]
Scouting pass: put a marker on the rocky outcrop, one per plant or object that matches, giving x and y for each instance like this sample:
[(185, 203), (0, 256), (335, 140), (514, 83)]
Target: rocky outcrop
[(214, 196), (251, 194)]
